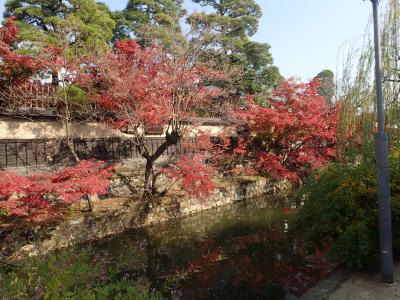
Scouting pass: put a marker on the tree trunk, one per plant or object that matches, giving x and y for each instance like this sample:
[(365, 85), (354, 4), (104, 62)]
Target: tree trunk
[(71, 148), (90, 203), (149, 185), (148, 189)]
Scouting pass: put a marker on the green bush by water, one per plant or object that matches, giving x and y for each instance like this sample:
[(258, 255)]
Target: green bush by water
[(341, 209), (70, 274)]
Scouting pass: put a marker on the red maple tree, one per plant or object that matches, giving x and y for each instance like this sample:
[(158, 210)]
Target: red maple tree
[(147, 88), (143, 88), (45, 196), (295, 134), (14, 67), (195, 175)]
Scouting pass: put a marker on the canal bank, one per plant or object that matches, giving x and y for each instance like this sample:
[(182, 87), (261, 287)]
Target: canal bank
[(235, 251), (238, 251), (116, 215)]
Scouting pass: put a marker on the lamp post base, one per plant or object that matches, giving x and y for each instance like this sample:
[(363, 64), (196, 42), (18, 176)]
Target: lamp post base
[(385, 220)]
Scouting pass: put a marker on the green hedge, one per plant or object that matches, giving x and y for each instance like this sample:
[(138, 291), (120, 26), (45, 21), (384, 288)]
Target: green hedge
[(341, 208)]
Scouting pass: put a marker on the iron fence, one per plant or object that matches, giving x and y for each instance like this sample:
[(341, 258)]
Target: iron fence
[(38, 153)]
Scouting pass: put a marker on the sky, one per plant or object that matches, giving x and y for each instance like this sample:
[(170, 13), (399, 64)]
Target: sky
[(305, 35)]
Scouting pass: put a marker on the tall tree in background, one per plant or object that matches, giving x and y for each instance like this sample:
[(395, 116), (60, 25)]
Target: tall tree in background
[(229, 25), (327, 88), (232, 21), (150, 21), (260, 75), (85, 24)]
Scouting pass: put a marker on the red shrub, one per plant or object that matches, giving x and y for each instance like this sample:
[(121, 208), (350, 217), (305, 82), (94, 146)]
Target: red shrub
[(43, 196), (195, 175), (293, 136)]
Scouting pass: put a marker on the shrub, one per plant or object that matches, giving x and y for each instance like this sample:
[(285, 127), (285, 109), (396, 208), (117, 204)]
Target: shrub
[(341, 209), (294, 136), (44, 196)]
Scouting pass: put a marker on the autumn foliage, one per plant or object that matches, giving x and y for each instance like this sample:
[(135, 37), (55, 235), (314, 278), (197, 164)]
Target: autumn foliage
[(43, 196), (14, 67), (145, 87), (149, 87), (195, 175), (295, 134)]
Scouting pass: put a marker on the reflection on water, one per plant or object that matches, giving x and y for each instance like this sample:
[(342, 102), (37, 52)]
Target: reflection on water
[(235, 252)]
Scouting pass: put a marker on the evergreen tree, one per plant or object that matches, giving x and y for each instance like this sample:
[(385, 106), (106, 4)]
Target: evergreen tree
[(260, 75), (226, 30), (231, 21), (83, 23), (150, 21), (327, 88)]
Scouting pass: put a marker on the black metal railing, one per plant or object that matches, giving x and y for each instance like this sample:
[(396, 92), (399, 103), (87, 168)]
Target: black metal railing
[(37, 153)]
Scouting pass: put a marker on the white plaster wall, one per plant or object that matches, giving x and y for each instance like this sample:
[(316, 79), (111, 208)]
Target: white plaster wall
[(193, 130), (18, 129), (21, 129), (213, 130)]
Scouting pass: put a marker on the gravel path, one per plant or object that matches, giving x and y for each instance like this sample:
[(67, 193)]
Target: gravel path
[(368, 287)]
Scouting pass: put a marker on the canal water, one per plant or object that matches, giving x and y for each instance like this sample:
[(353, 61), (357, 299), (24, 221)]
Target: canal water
[(235, 252)]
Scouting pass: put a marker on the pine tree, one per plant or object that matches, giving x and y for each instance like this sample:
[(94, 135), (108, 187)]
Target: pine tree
[(227, 30), (150, 21), (327, 88), (232, 21), (83, 23)]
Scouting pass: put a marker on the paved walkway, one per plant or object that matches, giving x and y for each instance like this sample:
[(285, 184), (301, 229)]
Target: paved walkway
[(368, 287)]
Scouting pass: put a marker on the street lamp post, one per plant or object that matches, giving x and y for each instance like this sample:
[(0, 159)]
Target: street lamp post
[(382, 162)]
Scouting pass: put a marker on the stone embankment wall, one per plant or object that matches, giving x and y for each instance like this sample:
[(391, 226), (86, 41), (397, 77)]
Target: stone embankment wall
[(113, 216)]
